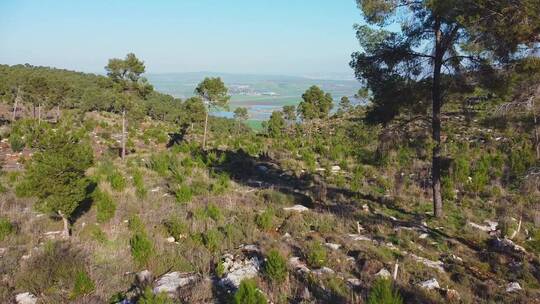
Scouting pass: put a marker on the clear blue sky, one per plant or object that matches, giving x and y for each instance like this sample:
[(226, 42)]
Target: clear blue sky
[(239, 36)]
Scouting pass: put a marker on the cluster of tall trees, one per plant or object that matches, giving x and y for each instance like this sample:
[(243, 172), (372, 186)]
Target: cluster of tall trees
[(315, 104), (31, 90)]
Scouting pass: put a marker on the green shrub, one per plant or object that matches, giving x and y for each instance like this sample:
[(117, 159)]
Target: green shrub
[(461, 170), (98, 234), (480, 175), (295, 225), (142, 248), (234, 233), (175, 227), (534, 243), (156, 133), (135, 224), (213, 212), (183, 194), (448, 188), (199, 186), (338, 289), (275, 197), (316, 256), (138, 182), (265, 220), (117, 298), (220, 270), (117, 180), (16, 142), (275, 267), (105, 206), (6, 228), (148, 297), (221, 184), (212, 239), (309, 159), (248, 293), (383, 293), (83, 285), (521, 159), (159, 163)]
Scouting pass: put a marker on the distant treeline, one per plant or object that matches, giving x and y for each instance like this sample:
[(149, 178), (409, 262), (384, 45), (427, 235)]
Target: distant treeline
[(51, 88)]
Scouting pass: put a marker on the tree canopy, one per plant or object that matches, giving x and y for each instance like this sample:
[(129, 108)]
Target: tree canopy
[(315, 104), (405, 69), (56, 175), (214, 92), (241, 113)]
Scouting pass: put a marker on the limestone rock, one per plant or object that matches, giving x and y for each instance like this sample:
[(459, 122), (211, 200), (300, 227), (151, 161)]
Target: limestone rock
[(238, 270), (25, 298), (430, 284), (250, 248), (383, 273), (323, 270), (143, 278), (513, 286), (506, 245), (172, 281), (333, 246), (296, 208), (358, 237), (489, 227), (429, 263), (354, 282)]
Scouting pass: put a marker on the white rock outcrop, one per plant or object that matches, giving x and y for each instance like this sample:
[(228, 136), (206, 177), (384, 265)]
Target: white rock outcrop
[(296, 208), (383, 273), (336, 168), (513, 286), (358, 237), (430, 284), (237, 270), (25, 298), (429, 263), (333, 246), (323, 270), (172, 281)]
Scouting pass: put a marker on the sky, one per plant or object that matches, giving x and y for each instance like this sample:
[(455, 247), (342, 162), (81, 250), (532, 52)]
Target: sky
[(287, 37)]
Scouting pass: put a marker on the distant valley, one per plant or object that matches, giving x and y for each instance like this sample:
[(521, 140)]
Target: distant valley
[(261, 94)]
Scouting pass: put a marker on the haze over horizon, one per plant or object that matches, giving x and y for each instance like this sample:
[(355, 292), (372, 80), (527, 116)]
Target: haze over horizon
[(241, 36)]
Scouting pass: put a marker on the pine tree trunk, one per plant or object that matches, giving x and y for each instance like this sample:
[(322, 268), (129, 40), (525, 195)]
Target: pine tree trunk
[(15, 104), (537, 136), (123, 134), (535, 120), (39, 113), (436, 125), (65, 232), (57, 113), (205, 127)]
